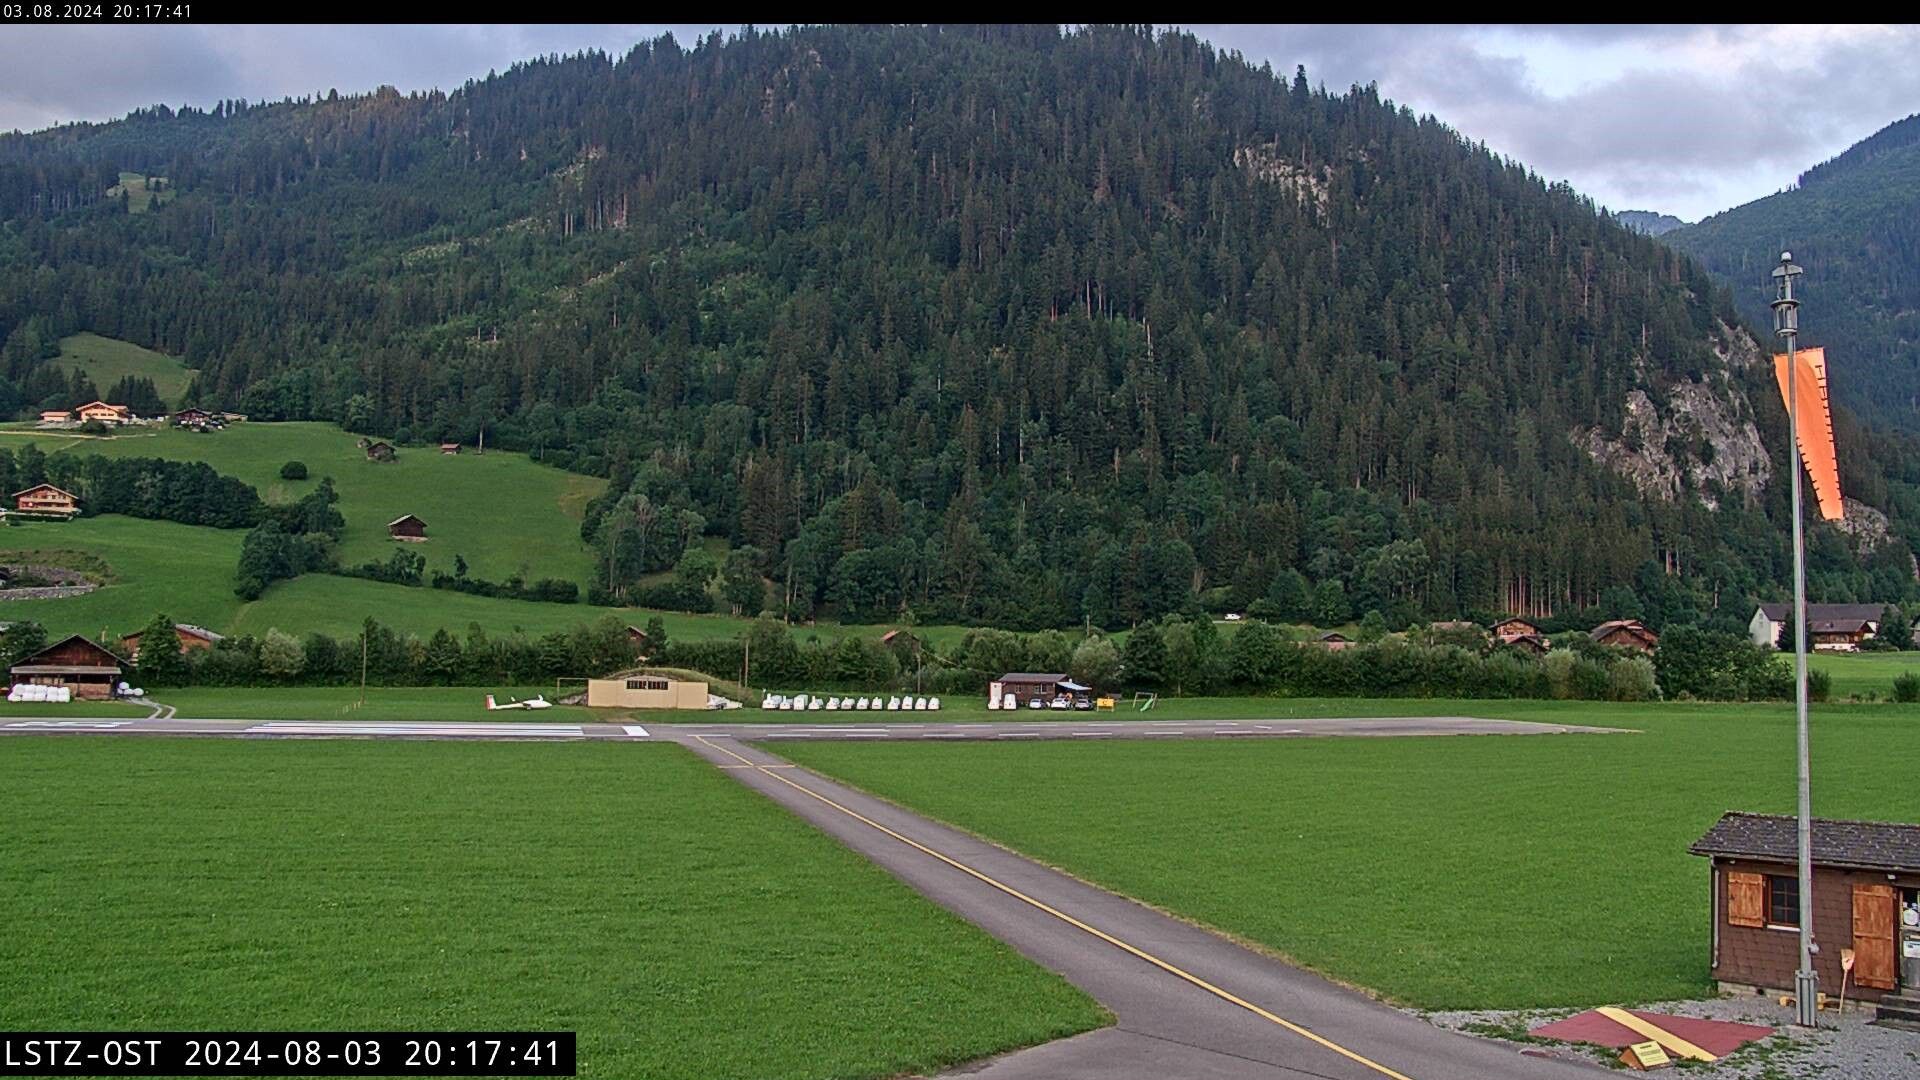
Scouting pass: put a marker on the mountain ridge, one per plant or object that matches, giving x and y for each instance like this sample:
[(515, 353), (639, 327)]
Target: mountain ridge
[(1002, 324)]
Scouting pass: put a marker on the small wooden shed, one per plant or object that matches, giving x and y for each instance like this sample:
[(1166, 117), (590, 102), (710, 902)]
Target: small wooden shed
[(1866, 899), (408, 528)]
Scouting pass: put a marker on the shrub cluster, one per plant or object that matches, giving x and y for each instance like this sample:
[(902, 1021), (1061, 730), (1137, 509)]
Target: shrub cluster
[(393, 659)]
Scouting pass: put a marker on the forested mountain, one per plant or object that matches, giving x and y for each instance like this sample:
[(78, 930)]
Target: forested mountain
[(1854, 223), (1013, 325), (1649, 222)]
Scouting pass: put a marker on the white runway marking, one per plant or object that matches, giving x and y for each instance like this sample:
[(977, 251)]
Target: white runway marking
[(92, 725), (478, 730), (635, 730), (1093, 734)]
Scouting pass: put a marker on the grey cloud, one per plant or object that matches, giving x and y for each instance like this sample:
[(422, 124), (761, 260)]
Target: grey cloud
[(59, 74), (1678, 137)]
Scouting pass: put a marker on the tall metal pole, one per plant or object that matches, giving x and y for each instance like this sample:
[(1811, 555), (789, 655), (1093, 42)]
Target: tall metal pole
[(1786, 323)]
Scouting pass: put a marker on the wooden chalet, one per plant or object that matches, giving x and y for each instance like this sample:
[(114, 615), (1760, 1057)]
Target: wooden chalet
[(1534, 644), (1866, 901), (47, 501), (1334, 641), (195, 418), (187, 635), (452, 449), (55, 416), (381, 451), (1506, 630), (86, 669), (103, 412), (1626, 634), (1839, 635), (638, 637), (1834, 627), (408, 528)]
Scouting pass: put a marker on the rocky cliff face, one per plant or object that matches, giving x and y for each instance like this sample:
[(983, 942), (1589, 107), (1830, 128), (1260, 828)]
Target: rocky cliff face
[(1701, 440)]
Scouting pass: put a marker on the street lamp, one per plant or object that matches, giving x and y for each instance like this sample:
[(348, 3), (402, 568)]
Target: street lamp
[(1786, 324)]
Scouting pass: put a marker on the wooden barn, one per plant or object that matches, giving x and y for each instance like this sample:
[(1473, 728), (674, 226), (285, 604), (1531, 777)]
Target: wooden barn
[(381, 451), (87, 669), (408, 528), (1866, 900), (450, 448), (187, 635), (55, 416), (1627, 634), (47, 500)]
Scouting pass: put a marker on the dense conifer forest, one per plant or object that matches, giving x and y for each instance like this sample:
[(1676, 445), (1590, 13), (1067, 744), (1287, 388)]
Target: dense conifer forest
[(1016, 326)]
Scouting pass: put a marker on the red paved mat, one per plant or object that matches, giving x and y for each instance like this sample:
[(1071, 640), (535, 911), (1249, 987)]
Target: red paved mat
[(1718, 1037)]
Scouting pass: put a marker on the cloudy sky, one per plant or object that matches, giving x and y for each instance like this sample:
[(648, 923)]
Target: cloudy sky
[(1685, 120)]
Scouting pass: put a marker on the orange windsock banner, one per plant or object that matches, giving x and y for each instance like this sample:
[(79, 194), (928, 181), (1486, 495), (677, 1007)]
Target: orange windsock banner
[(1815, 429)]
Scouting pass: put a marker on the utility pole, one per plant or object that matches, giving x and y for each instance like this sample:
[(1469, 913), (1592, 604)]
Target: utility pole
[(1786, 324), (363, 667)]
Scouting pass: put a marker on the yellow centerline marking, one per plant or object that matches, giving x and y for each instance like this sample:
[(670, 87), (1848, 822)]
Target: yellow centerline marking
[(1665, 1038), (1163, 965)]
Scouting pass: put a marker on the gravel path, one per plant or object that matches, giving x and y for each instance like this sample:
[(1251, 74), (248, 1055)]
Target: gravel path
[(1843, 1048)]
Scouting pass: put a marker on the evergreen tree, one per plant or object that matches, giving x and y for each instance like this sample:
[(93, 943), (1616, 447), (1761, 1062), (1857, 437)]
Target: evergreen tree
[(159, 659)]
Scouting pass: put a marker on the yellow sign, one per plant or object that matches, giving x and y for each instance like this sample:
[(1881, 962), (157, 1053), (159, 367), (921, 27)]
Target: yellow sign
[(1645, 1055)]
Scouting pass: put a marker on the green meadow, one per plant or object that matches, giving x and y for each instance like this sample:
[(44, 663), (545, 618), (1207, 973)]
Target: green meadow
[(107, 360), (1445, 872), (684, 926), (1865, 673), (502, 512), (140, 195)]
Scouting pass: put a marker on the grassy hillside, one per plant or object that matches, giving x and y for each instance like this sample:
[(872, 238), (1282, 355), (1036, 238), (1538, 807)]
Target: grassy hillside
[(107, 360), (502, 512), (141, 196), (187, 572)]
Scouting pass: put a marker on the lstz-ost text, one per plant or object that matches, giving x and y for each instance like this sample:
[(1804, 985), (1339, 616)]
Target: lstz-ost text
[(287, 1053)]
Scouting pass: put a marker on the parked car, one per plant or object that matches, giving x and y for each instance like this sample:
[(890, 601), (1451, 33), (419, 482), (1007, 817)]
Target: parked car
[(1081, 701), (1061, 701), (1233, 616), (1036, 703)]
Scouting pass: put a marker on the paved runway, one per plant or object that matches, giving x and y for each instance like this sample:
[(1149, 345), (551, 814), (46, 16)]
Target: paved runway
[(773, 732), (1190, 1004)]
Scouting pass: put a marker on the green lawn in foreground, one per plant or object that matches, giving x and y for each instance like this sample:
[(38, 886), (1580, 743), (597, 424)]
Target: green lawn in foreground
[(108, 360), (1456, 872), (683, 925)]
